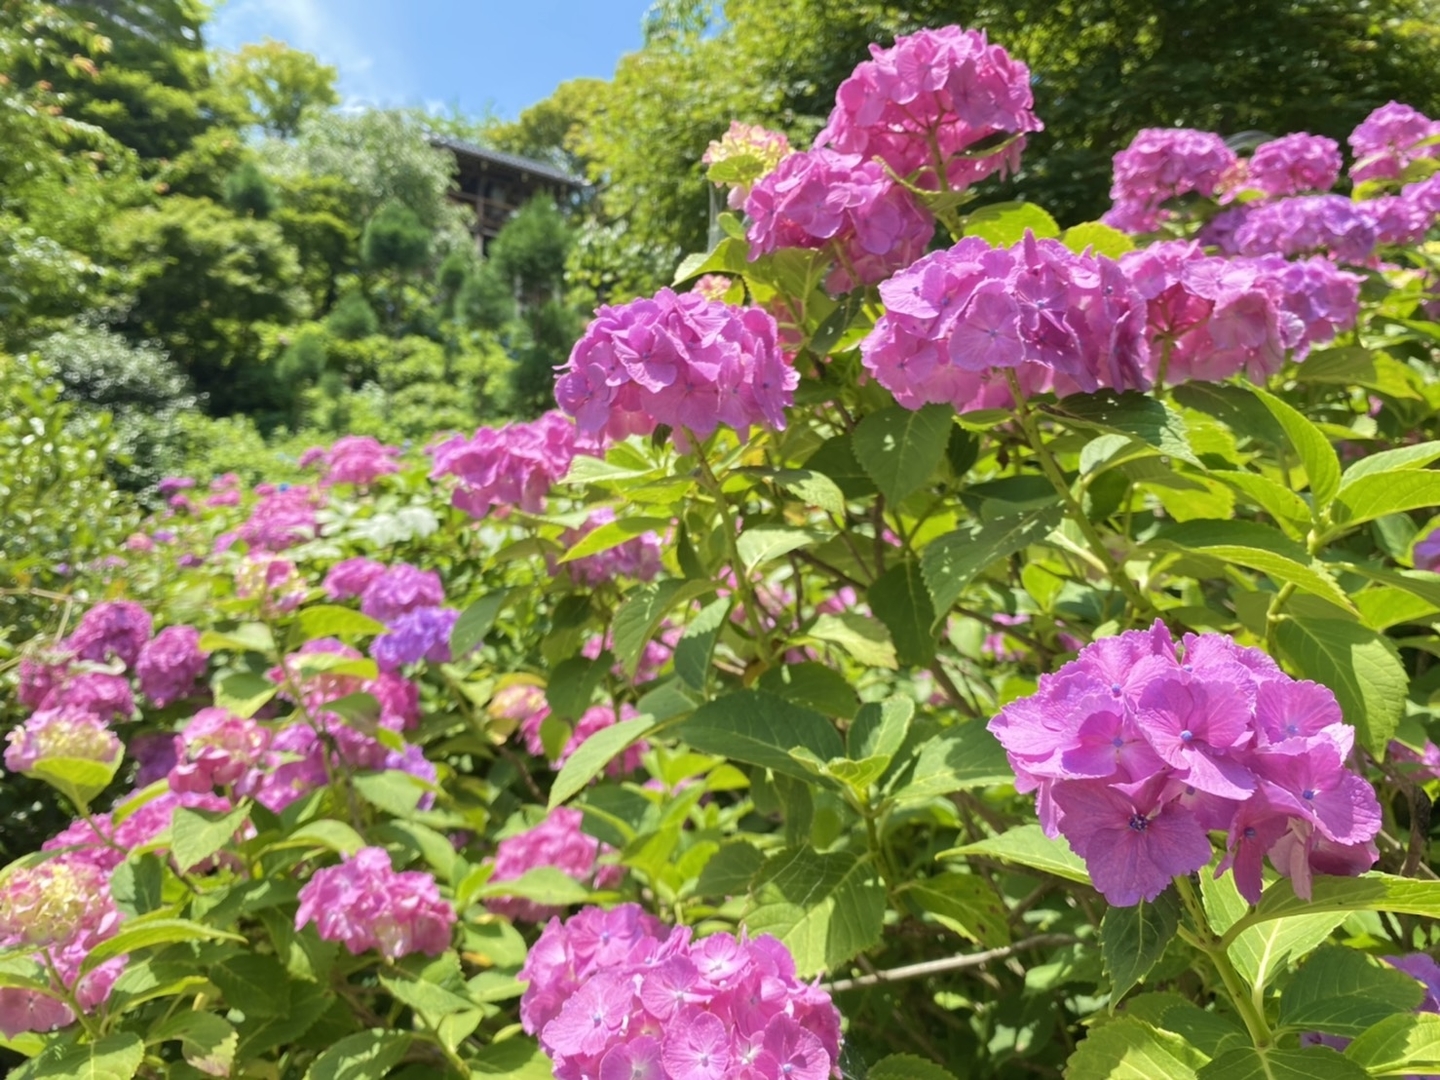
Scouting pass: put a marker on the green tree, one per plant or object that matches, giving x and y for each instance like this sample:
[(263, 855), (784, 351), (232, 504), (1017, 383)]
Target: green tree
[(281, 85), (247, 191), (531, 249), (395, 240)]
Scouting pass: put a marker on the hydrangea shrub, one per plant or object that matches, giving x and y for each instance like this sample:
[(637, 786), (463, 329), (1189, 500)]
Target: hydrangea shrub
[(923, 642)]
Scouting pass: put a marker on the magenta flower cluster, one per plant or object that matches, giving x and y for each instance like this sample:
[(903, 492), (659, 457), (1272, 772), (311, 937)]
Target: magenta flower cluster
[(284, 516), (843, 203), (354, 459), (169, 664), (556, 842), (679, 360), (637, 558), (925, 104), (513, 465), (1390, 139), (1304, 225), (617, 994), (1139, 748), (1162, 164), (956, 320), (1293, 165), (365, 904)]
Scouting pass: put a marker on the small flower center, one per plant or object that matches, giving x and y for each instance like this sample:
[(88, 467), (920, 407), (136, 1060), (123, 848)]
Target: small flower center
[(1308, 793), (1115, 689), (1249, 832), (1139, 822), (1187, 735), (1117, 742)]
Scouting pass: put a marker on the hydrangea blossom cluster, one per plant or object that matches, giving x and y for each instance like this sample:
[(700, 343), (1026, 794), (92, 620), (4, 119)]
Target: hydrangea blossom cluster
[(957, 319), (118, 628), (354, 459), (557, 842), (1389, 140), (284, 517), (1138, 749), (1162, 164), (678, 360), (63, 732), (169, 664), (106, 696), (1398, 219), (422, 633), (618, 994), (945, 93), (844, 203), (638, 557), (1293, 164), (400, 589), (365, 904), (741, 156), (351, 577), (1303, 225), (61, 908), (217, 749), (513, 465)]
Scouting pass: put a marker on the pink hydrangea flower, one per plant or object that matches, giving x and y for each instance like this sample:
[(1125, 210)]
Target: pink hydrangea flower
[(942, 93), (1303, 225), (1293, 165), (616, 993), (845, 204), (365, 904), (103, 844), (956, 319), (169, 665), (713, 287), (513, 465), (399, 589), (351, 577), (1140, 747), (678, 360), (1162, 164), (216, 749), (356, 459), (557, 842), (65, 732), (41, 673), (638, 557), (107, 696), (284, 517), (116, 628), (1389, 139)]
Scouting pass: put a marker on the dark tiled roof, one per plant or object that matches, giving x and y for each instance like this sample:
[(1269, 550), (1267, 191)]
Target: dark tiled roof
[(514, 161)]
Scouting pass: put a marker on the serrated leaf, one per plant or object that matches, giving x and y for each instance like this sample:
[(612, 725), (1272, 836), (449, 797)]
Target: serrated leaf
[(696, 647), (813, 488), (1005, 223), (955, 559), (1399, 1046), (814, 686), (476, 620), (759, 729), (244, 693), (907, 1067), (147, 932), (1360, 665), (115, 1057), (1322, 466), (1250, 1063), (613, 534), (836, 459), (644, 608), (254, 983), (1027, 845), (332, 620), (1129, 1049), (901, 601), (866, 639), (967, 903), (548, 885), (572, 684), (368, 1055), (248, 637), (730, 870), (1386, 461), (1132, 940), (1342, 992), (196, 835), (1101, 238), (1372, 496), (207, 1041), (1136, 415), (78, 779), (826, 908), (880, 728), (959, 758), (594, 754), (764, 544), (899, 448)]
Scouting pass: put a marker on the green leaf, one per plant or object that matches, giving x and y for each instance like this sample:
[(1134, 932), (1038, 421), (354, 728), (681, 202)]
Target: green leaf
[(431, 1001), (244, 693), (368, 1055), (1342, 992), (1360, 665), (247, 637), (901, 601), (1259, 547), (1101, 238), (1249, 1063), (826, 908), (836, 459), (765, 544), (814, 686), (961, 757), (1275, 499), (696, 647), (1389, 461), (475, 622), (1316, 454), (1399, 1046), (332, 620), (1137, 415), (548, 885), (254, 983), (1368, 892), (966, 903), (147, 932), (395, 791), (730, 870), (645, 607), (572, 684), (328, 833), (195, 835), (954, 560), (907, 1067), (900, 449), (1369, 497), (513, 1059), (880, 728), (78, 779), (138, 884), (1132, 940), (727, 258), (1005, 223), (864, 638), (1027, 845), (759, 729), (115, 1057), (814, 488), (594, 754), (613, 534), (1129, 1049), (207, 1041)]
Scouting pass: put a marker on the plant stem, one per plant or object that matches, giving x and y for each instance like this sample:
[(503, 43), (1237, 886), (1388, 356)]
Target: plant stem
[(1250, 1006), (950, 963), (1113, 570)]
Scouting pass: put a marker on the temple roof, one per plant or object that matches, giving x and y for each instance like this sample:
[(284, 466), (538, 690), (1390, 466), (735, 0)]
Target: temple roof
[(461, 148)]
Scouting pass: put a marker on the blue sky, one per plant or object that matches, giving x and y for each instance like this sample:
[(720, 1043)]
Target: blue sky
[(500, 55)]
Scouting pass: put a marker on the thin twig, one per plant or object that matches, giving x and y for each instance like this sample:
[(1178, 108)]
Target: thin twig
[(951, 963)]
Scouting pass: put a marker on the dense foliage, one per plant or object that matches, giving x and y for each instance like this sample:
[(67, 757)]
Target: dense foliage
[(925, 642)]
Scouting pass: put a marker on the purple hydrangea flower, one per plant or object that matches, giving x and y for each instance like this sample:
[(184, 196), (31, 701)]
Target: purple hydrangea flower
[(365, 904), (419, 634), (169, 665)]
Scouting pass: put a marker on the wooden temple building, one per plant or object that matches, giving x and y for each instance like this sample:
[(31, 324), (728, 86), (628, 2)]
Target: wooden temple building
[(495, 184)]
